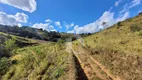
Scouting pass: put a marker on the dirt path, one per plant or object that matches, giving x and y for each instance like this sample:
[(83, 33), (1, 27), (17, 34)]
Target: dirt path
[(97, 63), (92, 68)]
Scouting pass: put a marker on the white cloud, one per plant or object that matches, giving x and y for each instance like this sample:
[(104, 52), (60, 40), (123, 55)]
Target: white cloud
[(72, 31), (54, 30), (21, 17), (20, 25), (72, 24), (58, 24), (68, 26), (89, 28), (130, 5), (135, 3), (117, 3), (125, 8), (123, 17), (16, 19), (26, 5), (107, 18), (44, 26), (48, 21)]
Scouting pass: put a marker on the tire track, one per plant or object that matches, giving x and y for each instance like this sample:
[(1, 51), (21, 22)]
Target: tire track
[(95, 68)]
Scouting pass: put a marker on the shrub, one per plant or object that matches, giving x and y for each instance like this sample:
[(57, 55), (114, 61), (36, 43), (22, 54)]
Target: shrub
[(3, 51), (60, 41), (119, 24), (4, 64), (140, 13), (2, 38), (89, 33), (135, 28), (139, 33), (73, 38), (10, 44)]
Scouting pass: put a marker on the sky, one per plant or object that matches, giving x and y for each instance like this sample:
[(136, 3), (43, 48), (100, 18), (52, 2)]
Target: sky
[(71, 16)]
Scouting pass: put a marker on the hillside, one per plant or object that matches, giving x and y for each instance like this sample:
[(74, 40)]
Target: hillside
[(33, 33), (118, 49), (35, 61)]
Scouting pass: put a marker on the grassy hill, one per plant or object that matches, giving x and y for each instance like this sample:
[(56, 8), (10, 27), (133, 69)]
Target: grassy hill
[(119, 48), (35, 60)]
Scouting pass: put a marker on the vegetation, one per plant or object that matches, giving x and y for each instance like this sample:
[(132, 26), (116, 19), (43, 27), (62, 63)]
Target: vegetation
[(135, 28), (120, 49), (4, 65), (29, 32), (6, 46), (119, 24), (43, 60)]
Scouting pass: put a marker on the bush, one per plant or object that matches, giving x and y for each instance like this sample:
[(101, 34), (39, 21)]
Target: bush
[(60, 41), (89, 33), (7, 47), (135, 28), (3, 51), (73, 38), (140, 13), (119, 24), (10, 44), (4, 64), (139, 33), (3, 38)]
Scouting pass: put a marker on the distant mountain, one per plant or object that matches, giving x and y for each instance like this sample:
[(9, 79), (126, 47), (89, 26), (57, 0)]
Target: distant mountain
[(34, 33)]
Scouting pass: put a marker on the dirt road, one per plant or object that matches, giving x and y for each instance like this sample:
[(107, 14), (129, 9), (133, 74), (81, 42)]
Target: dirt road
[(93, 69)]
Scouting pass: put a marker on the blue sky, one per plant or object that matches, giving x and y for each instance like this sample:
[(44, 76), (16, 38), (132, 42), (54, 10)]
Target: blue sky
[(80, 16)]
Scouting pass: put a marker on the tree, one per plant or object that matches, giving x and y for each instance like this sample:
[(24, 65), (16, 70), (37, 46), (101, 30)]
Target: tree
[(119, 24), (89, 33)]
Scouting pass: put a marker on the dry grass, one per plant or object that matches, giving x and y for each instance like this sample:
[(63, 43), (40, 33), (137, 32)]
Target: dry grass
[(119, 48)]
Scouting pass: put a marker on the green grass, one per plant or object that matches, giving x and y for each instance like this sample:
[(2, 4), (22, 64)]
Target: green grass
[(37, 62), (45, 60)]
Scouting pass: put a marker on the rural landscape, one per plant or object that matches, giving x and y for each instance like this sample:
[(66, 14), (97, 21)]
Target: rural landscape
[(112, 52)]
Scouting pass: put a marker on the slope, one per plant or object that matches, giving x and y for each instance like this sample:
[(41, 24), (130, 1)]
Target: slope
[(117, 48), (38, 60)]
